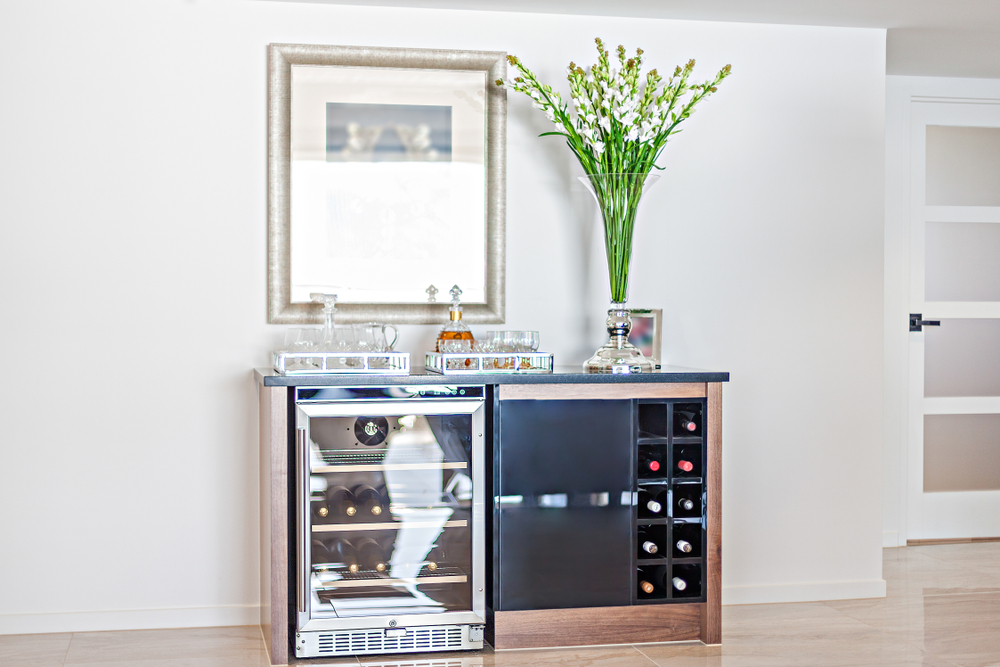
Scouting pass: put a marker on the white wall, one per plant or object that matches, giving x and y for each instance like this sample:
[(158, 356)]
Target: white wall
[(132, 201)]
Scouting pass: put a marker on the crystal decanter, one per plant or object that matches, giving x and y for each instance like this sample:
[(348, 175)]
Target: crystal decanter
[(329, 301), (456, 328)]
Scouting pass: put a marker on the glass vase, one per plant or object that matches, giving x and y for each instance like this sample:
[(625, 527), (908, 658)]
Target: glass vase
[(618, 197)]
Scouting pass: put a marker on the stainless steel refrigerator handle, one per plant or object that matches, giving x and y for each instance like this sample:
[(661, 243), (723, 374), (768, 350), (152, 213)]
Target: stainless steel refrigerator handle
[(301, 480)]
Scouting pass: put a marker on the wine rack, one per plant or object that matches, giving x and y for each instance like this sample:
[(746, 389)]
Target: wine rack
[(669, 514)]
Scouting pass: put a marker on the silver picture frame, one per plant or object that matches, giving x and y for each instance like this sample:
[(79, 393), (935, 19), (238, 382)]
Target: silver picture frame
[(647, 332), (281, 58)]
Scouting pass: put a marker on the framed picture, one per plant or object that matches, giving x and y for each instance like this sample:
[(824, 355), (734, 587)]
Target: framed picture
[(646, 332), (386, 182)]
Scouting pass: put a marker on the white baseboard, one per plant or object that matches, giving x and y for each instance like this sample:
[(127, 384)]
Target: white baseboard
[(890, 538), (813, 591), (130, 619)]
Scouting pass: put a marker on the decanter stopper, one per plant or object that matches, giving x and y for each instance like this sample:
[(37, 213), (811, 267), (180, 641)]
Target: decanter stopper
[(455, 312), (431, 294)]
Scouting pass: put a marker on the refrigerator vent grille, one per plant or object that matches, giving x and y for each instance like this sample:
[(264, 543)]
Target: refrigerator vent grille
[(375, 641)]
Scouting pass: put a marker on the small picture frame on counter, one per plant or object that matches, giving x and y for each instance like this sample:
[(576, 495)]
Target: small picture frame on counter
[(647, 332)]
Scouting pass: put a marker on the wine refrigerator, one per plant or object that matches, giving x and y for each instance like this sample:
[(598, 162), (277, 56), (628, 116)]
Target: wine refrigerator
[(390, 519)]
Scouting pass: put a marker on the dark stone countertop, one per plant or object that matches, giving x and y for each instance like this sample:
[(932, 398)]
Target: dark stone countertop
[(562, 375)]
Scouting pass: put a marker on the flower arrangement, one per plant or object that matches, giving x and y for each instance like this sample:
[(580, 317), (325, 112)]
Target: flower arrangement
[(619, 127)]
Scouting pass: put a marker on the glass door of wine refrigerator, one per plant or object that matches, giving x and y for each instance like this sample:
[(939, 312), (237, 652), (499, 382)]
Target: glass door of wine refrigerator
[(391, 509)]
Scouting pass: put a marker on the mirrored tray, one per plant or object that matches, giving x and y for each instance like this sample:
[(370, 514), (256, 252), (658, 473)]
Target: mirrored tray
[(337, 363), (488, 363)]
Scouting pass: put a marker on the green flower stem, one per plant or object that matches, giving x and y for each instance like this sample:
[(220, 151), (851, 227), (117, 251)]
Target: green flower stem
[(618, 197)]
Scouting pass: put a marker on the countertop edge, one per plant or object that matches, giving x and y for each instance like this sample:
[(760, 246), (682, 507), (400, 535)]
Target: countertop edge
[(270, 378)]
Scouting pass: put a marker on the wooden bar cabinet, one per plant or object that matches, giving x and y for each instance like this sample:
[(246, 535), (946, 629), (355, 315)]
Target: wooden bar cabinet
[(603, 505)]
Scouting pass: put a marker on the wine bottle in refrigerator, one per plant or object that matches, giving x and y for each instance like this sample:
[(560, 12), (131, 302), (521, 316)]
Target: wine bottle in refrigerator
[(368, 499), (340, 501), (320, 510), (320, 554), (343, 552), (370, 554), (434, 559)]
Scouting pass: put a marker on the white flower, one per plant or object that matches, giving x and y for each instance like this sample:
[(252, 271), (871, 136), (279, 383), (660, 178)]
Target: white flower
[(550, 115), (605, 122), (598, 146), (633, 134), (590, 118), (535, 94), (538, 105)]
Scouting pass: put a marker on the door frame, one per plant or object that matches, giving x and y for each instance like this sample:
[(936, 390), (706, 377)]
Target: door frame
[(905, 95)]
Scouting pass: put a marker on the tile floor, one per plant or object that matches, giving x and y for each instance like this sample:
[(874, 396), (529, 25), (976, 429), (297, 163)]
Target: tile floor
[(942, 610)]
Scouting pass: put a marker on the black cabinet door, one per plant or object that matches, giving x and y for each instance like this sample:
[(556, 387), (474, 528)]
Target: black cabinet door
[(565, 515)]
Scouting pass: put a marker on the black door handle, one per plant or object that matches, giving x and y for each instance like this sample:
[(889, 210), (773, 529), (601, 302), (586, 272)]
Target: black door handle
[(918, 324)]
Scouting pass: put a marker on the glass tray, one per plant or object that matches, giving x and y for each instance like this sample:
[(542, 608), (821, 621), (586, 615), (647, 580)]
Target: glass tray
[(488, 363), (336, 363)]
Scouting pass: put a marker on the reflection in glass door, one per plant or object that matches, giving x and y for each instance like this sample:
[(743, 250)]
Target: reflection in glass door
[(954, 423), (391, 515)]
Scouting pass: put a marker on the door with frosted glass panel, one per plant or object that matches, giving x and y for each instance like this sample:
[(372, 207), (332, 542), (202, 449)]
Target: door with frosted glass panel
[(954, 403)]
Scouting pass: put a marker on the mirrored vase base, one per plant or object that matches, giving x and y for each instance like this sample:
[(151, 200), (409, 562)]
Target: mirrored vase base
[(618, 357)]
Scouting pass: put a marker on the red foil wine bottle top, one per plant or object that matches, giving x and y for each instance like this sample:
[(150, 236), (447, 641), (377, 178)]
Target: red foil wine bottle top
[(654, 465), (686, 466), (690, 426)]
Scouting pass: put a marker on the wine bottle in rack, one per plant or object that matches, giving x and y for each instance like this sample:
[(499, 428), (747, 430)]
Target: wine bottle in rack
[(679, 584), (684, 546), (685, 504), (684, 465), (343, 552), (649, 503), (649, 464), (368, 499), (686, 421), (370, 554), (649, 546), (646, 586), (340, 501)]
